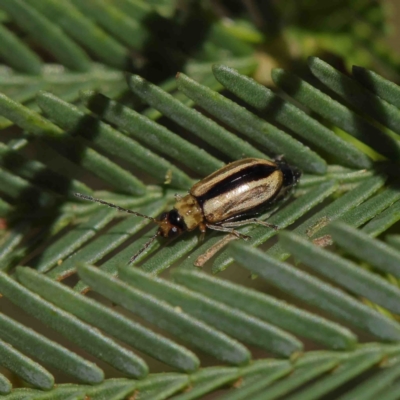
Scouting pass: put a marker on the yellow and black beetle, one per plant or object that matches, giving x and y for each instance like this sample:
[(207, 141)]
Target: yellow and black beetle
[(228, 198)]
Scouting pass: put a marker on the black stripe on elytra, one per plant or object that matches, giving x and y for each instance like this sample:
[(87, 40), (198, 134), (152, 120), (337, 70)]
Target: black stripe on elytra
[(248, 174)]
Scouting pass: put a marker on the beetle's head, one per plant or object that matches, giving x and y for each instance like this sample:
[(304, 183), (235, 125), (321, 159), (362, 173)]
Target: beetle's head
[(171, 224), (291, 174)]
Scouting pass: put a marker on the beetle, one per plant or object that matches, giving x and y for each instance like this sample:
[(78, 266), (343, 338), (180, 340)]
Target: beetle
[(230, 197)]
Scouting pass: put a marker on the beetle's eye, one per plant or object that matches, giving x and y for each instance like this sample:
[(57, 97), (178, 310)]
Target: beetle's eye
[(175, 219)]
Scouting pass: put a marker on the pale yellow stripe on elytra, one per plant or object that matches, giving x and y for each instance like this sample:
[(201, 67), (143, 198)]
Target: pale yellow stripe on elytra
[(243, 198), (203, 186)]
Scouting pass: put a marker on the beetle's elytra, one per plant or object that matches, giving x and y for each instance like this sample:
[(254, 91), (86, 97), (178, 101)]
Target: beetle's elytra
[(228, 198)]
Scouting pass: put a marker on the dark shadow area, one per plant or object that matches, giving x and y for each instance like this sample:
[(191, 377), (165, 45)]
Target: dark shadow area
[(38, 204), (370, 105), (270, 22), (46, 179), (374, 137), (173, 41), (99, 105)]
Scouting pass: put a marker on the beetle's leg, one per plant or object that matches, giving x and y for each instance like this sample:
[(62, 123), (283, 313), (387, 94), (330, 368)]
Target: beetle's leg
[(228, 230), (249, 221), (202, 236), (203, 228)]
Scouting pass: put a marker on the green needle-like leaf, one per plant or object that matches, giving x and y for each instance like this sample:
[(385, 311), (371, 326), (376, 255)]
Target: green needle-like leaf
[(231, 321), (25, 93), (364, 212), (282, 219), (120, 24), (350, 367), (151, 133), (285, 113), (343, 272), (347, 178), (271, 138), (257, 377), (166, 317), (73, 240), (48, 34), (137, 9), (32, 394), (101, 246), (75, 330), (24, 367), (315, 292), (23, 192), (370, 390), (122, 258), (21, 58), (83, 30), (78, 152), (5, 208), (335, 210), (393, 240), (377, 84), (110, 140), (171, 253), (297, 379), (277, 312), (391, 392), (355, 94), (383, 221), (374, 252), (138, 144), (38, 173), (337, 113), (14, 237), (5, 385), (48, 352), (112, 389), (162, 386), (73, 149), (192, 120), (372, 207), (61, 84), (207, 380), (109, 321)]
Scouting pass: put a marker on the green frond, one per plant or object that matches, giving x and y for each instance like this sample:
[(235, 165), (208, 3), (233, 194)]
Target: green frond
[(89, 104)]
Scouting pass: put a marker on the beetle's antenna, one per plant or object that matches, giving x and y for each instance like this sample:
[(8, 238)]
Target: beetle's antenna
[(145, 246), (90, 198)]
